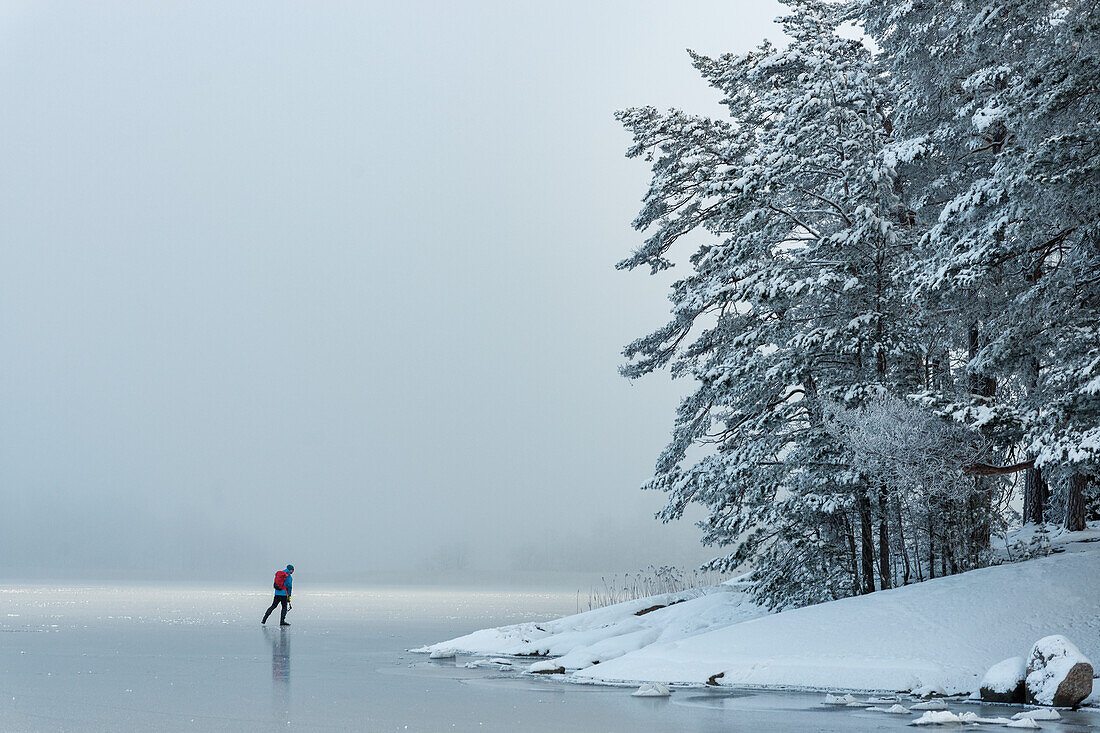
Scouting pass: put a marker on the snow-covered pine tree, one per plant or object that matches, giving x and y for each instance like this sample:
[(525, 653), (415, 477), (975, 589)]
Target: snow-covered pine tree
[(793, 302), (1000, 101)]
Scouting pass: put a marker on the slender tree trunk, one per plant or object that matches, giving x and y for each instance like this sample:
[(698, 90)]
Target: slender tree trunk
[(904, 548), (885, 573), (1036, 492), (863, 505), (931, 549), (1035, 496), (1075, 502), (852, 555)]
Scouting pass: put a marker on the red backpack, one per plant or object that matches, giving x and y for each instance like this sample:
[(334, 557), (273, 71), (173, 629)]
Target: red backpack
[(280, 580)]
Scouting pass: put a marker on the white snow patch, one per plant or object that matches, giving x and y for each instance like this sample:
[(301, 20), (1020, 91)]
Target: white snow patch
[(1038, 714)]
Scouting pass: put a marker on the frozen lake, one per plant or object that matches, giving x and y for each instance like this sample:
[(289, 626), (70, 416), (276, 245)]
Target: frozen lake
[(151, 658)]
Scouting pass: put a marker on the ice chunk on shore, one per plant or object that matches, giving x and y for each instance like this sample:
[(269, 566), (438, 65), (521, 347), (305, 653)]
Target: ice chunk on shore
[(929, 705), (1038, 714), (442, 654), (937, 717), (652, 689), (842, 700), (1026, 723)]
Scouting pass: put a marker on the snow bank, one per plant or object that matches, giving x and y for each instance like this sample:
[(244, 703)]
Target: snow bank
[(603, 634), (940, 634), (935, 637)]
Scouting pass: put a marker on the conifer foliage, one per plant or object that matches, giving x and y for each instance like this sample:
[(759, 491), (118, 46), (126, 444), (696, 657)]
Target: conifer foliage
[(892, 305)]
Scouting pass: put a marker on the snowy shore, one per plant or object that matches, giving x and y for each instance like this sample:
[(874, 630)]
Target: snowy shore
[(936, 637)]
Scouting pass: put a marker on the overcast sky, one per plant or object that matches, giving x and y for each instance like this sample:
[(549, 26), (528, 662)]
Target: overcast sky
[(333, 284)]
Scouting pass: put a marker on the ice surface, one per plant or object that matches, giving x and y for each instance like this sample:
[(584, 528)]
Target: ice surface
[(168, 659)]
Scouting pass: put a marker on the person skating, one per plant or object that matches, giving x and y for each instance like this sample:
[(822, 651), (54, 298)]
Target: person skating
[(283, 583)]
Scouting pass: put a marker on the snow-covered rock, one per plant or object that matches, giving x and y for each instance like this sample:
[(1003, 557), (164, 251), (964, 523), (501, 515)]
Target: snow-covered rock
[(444, 653), (1004, 681), (652, 689), (1058, 673), (929, 688), (547, 666)]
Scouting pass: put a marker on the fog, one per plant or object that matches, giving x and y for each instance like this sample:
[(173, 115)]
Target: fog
[(333, 284)]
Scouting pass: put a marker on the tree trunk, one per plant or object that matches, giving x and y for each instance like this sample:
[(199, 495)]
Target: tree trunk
[(1075, 502), (1036, 492), (1035, 496), (852, 555), (904, 548), (885, 574), (931, 549), (863, 505)]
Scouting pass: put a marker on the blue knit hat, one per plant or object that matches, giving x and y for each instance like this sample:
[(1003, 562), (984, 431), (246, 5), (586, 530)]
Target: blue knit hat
[(289, 568)]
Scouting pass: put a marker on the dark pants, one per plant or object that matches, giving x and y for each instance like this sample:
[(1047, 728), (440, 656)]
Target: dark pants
[(276, 602)]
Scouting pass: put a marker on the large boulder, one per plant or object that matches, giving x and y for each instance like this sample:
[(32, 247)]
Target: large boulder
[(1058, 673), (1005, 682)]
